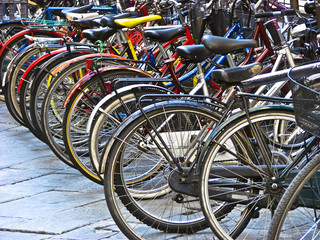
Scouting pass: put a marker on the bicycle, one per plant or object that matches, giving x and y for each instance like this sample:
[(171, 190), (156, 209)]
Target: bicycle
[(16, 67), (257, 178), (51, 111), (260, 30), (297, 214), (18, 41), (181, 150)]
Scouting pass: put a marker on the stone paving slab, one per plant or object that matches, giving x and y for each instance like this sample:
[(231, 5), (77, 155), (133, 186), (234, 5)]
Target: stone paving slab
[(15, 175), (58, 222), (43, 198), (23, 236)]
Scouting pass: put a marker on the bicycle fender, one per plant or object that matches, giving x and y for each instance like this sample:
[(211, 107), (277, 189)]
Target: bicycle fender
[(62, 55), (111, 95), (42, 58), (22, 33), (67, 63), (28, 32), (94, 73), (105, 155)]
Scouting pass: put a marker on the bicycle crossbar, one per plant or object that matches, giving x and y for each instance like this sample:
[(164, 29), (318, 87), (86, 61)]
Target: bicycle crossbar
[(282, 75), (240, 171)]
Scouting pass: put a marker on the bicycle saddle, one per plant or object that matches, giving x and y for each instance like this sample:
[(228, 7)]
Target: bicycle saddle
[(133, 22), (81, 9), (164, 35), (77, 16), (235, 75), (86, 23), (108, 21), (98, 34), (194, 53), (221, 45)]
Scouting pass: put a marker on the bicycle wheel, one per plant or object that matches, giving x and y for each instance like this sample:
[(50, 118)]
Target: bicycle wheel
[(235, 170), (297, 214), (76, 139), (17, 42), (52, 111), (114, 110), (40, 82), (139, 163), (15, 71), (7, 30), (25, 91)]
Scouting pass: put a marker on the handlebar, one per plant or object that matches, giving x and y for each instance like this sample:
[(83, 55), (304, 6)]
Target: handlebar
[(289, 12)]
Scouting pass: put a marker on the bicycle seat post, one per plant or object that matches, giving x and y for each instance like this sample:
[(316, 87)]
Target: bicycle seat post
[(230, 60), (200, 76)]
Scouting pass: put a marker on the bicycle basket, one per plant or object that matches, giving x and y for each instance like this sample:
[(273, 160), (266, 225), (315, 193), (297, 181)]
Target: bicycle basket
[(306, 101), (197, 19)]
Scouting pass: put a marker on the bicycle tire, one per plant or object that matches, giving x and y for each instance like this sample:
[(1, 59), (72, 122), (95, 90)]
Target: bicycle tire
[(295, 218), (52, 127), (41, 83), (103, 124), (10, 89), (76, 140), (51, 109), (25, 93), (7, 30), (17, 67), (234, 146), (154, 215)]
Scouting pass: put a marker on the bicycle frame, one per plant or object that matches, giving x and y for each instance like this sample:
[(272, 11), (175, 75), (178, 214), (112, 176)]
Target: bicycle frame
[(30, 32), (236, 29), (195, 168), (260, 34), (223, 123), (45, 57), (48, 13)]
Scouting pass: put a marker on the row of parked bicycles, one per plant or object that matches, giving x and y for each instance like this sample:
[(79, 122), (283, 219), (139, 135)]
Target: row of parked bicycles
[(200, 118)]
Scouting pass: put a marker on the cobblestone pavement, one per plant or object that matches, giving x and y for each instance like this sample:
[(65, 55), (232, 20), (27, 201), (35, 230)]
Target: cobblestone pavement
[(43, 198)]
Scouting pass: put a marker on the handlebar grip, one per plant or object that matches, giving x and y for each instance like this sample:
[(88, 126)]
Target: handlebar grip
[(263, 14), (288, 12), (274, 33)]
